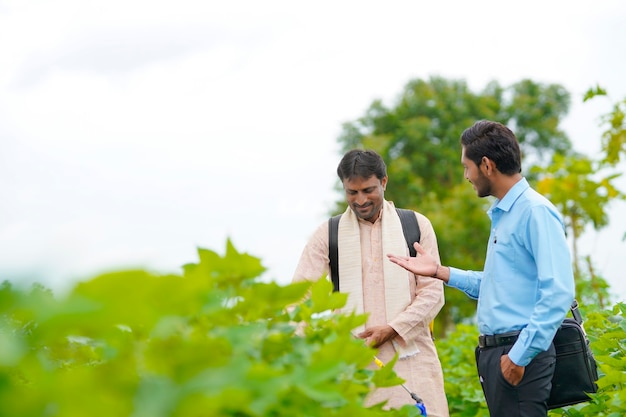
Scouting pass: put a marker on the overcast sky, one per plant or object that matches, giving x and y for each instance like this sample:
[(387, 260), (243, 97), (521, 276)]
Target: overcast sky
[(134, 132)]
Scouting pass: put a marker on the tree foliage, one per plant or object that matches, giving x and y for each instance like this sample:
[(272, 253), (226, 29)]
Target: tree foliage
[(577, 186), (420, 133), (614, 136), (583, 188)]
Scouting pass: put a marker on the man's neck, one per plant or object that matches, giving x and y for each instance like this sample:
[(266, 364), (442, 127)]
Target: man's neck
[(504, 183)]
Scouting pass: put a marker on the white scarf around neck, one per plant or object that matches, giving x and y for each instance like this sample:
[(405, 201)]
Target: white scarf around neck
[(397, 289)]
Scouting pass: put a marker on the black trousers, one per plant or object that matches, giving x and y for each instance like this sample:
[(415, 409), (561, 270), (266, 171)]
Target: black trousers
[(529, 397)]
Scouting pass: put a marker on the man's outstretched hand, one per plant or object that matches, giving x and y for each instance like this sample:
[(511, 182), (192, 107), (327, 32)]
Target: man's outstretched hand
[(422, 264)]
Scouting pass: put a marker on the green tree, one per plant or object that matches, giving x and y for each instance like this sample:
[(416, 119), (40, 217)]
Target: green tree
[(614, 136), (576, 185), (419, 137), (583, 188)]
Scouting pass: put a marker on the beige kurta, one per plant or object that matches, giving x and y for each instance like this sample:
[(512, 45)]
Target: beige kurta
[(422, 372)]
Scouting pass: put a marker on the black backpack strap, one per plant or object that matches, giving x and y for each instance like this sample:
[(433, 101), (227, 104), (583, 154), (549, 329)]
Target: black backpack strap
[(333, 250), (410, 228)]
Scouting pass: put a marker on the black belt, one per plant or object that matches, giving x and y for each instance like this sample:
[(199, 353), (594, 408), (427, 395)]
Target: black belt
[(493, 340)]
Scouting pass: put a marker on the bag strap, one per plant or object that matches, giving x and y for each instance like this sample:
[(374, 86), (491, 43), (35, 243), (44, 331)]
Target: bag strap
[(333, 250), (410, 229), (576, 313)]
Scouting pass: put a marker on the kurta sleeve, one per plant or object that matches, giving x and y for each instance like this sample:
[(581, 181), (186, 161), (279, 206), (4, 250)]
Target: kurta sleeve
[(313, 263), (428, 298)]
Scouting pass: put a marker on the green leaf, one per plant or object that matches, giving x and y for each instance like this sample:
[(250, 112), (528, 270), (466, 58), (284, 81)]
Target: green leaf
[(593, 92)]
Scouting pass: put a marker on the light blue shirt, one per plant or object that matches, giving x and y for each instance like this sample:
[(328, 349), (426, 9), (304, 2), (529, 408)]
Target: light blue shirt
[(527, 283)]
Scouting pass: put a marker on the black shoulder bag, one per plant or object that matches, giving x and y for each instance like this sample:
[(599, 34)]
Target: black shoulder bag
[(576, 371)]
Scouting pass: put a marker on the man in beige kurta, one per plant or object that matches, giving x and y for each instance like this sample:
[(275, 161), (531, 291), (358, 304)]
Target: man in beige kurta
[(399, 305)]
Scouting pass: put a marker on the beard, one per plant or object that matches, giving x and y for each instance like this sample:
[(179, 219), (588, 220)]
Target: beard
[(482, 185)]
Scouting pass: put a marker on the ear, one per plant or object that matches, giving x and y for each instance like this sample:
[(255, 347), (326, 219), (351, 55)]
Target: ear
[(383, 181), (487, 166)]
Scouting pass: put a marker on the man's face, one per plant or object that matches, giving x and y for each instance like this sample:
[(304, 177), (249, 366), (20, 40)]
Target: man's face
[(365, 196), (474, 174)]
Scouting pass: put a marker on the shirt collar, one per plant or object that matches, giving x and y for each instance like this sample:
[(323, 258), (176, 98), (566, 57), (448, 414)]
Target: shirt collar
[(511, 196)]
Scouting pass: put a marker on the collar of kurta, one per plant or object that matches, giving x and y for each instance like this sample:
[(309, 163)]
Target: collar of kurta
[(397, 289)]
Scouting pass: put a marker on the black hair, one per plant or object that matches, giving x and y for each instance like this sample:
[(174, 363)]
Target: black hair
[(361, 163), (495, 141)]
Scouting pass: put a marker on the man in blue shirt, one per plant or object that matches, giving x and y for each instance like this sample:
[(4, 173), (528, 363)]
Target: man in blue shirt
[(527, 285)]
